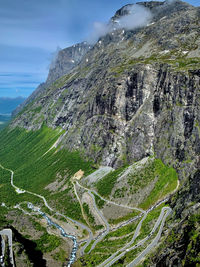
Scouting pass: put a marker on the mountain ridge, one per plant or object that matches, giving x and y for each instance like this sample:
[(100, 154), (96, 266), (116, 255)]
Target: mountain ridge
[(7, 104)]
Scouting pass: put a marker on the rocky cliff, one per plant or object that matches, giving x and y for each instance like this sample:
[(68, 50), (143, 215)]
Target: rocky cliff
[(65, 60), (134, 93)]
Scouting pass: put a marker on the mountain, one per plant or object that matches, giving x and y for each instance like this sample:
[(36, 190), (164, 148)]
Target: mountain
[(7, 105), (64, 62), (112, 137)]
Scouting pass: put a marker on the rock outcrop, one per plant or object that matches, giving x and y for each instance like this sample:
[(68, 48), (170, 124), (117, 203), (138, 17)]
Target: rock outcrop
[(66, 60)]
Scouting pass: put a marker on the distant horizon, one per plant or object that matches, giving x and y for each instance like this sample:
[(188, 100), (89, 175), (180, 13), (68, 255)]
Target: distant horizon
[(10, 97), (9, 104)]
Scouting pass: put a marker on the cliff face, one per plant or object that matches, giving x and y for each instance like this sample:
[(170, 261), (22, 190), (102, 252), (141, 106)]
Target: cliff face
[(66, 60), (134, 93)]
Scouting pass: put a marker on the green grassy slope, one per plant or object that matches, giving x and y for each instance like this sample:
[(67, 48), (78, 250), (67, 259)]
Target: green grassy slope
[(24, 153), (154, 171)]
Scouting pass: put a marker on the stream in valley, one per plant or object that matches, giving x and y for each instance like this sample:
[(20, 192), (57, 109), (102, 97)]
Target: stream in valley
[(62, 231)]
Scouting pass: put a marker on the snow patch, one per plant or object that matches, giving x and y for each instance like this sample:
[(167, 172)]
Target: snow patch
[(165, 52), (150, 24)]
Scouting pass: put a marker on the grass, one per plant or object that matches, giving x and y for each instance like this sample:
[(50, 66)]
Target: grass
[(146, 228), (91, 218), (130, 228), (89, 246), (164, 177), (120, 192), (99, 202), (147, 224), (167, 180), (8, 194), (61, 255), (124, 218), (106, 184), (47, 243), (179, 63), (24, 152), (107, 246), (88, 213)]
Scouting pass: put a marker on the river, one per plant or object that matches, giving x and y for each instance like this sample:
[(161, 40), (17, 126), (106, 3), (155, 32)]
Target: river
[(62, 231)]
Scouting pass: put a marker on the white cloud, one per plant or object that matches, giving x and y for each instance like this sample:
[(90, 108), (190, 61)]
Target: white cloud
[(138, 16)]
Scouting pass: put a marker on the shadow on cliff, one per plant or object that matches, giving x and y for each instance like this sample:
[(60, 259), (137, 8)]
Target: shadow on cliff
[(34, 255)]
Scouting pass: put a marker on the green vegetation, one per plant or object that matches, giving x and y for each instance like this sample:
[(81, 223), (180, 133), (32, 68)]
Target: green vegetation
[(125, 230), (106, 184), (89, 246), (25, 153), (61, 255), (120, 192), (193, 235), (88, 213), (100, 202), (8, 194), (112, 242), (165, 181), (7, 253), (37, 109), (149, 221), (124, 218), (190, 233), (91, 218), (128, 257), (174, 58), (146, 228), (125, 66), (103, 250), (47, 242), (91, 260)]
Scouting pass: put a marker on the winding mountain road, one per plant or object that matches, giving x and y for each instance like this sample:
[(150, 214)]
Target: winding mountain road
[(8, 233), (107, 226), (108, 201), (154, 242), (113, 258), (114, 255), (162, 217)]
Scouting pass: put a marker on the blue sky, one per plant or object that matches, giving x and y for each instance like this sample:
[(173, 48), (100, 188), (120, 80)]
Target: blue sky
[(32, 30)]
